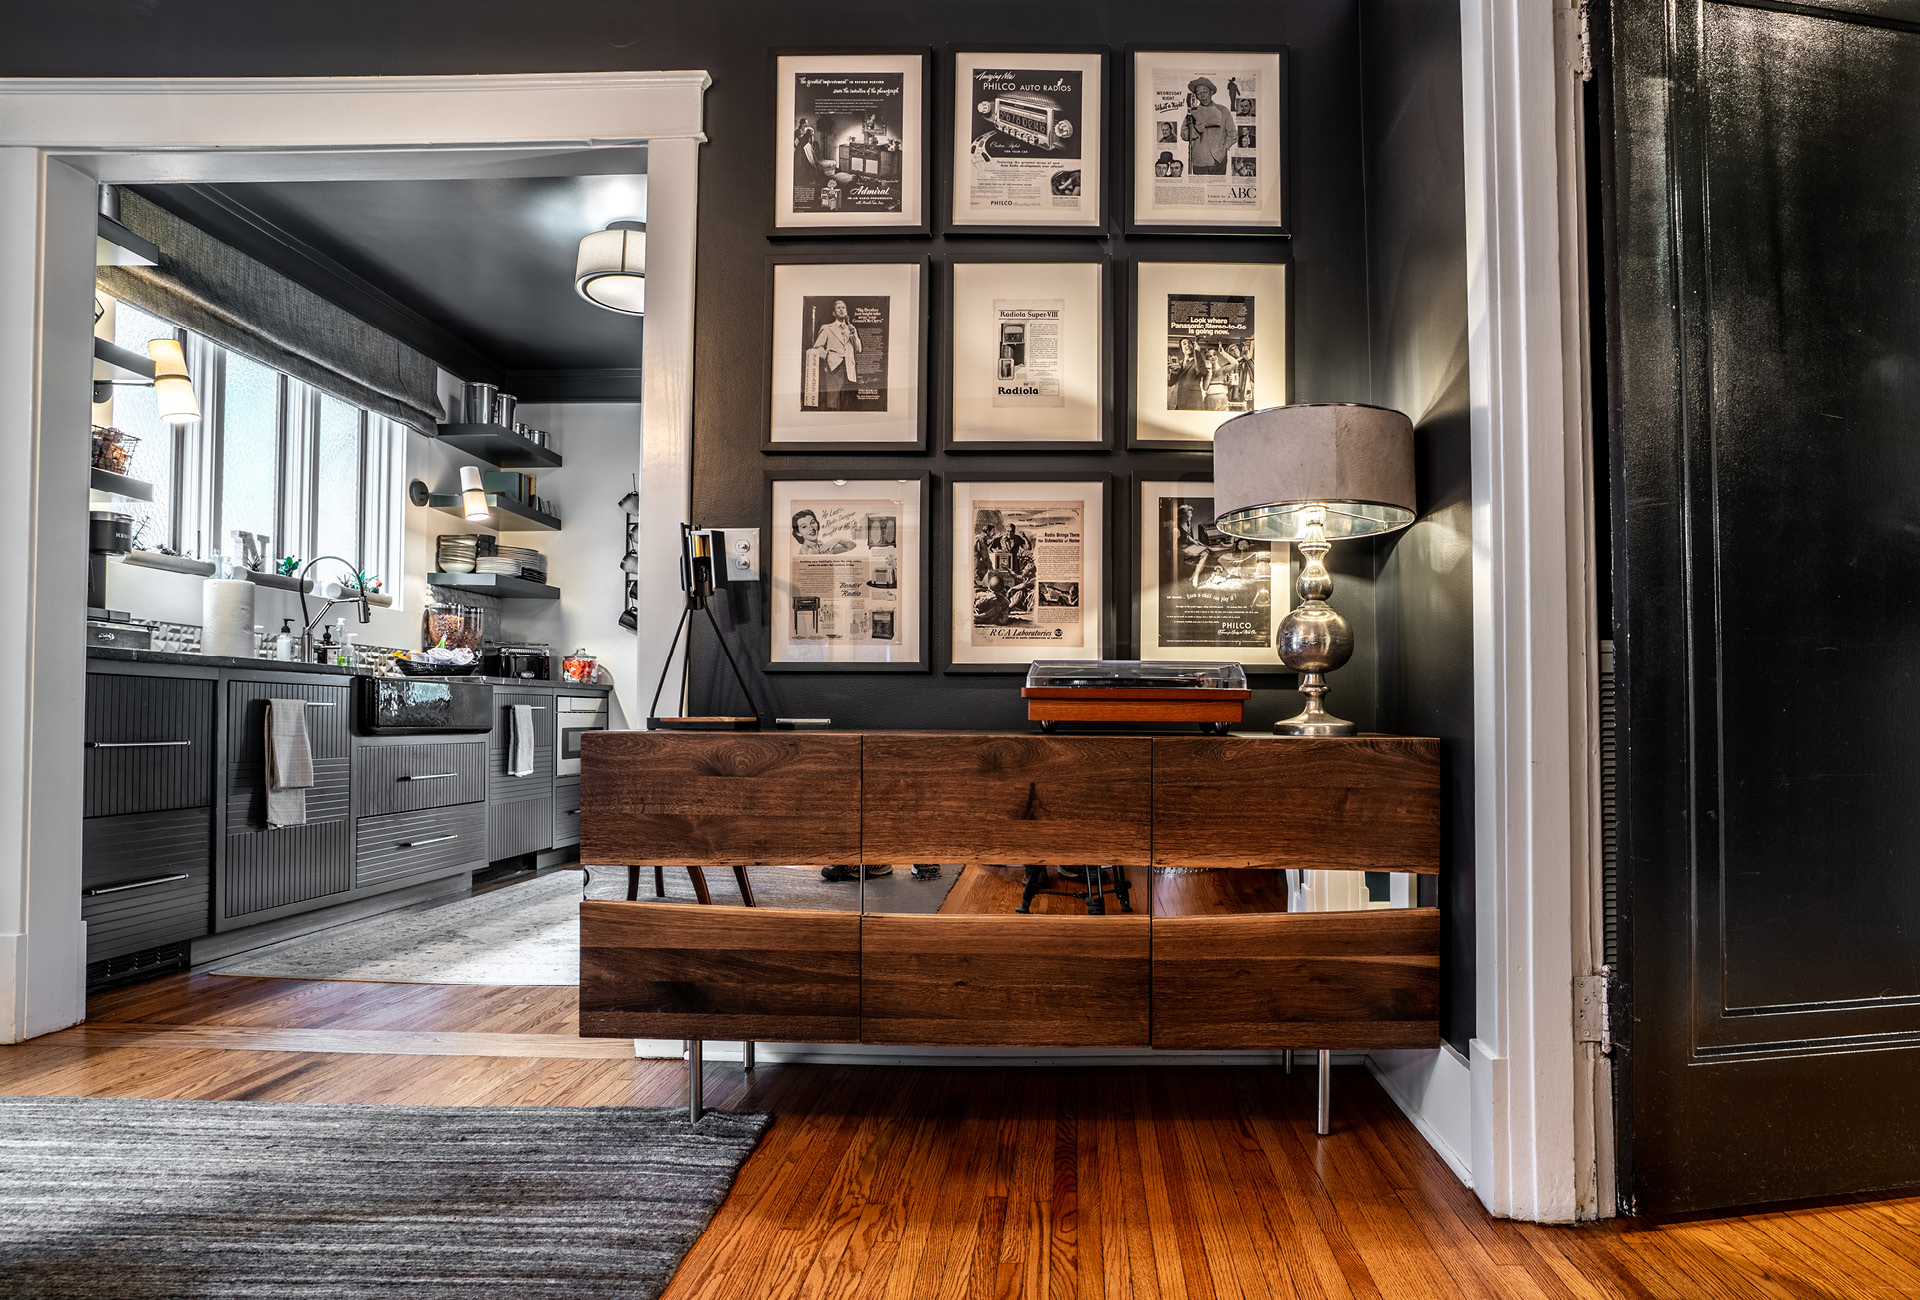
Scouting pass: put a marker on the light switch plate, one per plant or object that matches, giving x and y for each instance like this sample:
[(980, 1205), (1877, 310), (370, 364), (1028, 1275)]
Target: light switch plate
[(743, 554)]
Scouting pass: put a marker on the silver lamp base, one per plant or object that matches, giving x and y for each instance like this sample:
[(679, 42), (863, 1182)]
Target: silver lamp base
[(1313, 641), (1313, 720)]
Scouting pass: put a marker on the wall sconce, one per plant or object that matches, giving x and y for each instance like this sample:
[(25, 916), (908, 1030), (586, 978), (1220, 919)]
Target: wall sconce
[(418, 492), (473, 496), (611, 271), (171, 384)]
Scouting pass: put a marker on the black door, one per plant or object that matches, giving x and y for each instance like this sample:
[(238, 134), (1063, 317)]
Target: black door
[(1764, 287)]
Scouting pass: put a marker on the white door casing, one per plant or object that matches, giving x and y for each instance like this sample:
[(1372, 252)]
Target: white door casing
[(58, 137)]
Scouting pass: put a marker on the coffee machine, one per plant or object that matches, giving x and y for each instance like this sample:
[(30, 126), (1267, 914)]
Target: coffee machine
[(108, 533)]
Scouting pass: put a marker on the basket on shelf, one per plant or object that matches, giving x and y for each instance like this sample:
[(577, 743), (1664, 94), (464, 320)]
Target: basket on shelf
[(113, 449)]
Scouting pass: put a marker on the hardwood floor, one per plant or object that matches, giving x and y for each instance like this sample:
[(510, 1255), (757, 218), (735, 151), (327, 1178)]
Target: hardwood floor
[(898, 1183)]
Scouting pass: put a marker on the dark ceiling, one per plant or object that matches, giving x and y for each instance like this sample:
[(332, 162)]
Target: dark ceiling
[(478, 274)]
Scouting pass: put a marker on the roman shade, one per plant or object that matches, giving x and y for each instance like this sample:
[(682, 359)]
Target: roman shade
[(244, 304)]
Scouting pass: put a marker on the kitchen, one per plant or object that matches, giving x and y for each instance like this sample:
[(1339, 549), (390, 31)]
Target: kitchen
[(361, 564)]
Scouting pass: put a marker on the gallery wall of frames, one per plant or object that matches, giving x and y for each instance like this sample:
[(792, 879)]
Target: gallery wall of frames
[(1004, 294)]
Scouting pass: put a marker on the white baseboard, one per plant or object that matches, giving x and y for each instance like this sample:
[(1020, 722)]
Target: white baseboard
[(1434, 1089)]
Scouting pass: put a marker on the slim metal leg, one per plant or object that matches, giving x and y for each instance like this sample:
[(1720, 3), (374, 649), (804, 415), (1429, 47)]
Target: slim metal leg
[(746, 1057), (659, 883), (1286, 1061), (696, 1098), (1323, 1123)]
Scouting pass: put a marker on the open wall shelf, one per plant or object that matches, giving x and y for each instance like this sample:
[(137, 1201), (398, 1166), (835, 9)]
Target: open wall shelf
[(503, 585), (508, 515), (499, 445), (132, 489)]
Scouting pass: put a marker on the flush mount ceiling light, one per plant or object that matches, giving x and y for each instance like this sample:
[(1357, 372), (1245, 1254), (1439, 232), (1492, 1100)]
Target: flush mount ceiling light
[(612, 269)]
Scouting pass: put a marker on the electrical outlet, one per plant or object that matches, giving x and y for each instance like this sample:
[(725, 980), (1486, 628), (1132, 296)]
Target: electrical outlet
[(743, 554)]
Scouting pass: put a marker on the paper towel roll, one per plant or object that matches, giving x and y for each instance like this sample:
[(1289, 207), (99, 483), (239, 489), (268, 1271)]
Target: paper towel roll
[(226, 618)]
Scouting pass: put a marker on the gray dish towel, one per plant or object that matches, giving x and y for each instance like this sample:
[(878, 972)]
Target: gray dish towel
[(289, 763), (520, 740)]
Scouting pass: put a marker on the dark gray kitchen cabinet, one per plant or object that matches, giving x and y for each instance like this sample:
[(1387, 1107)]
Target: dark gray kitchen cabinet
[(428, 774), (520, 808), (148, 744), (145, 880), (408, 846), (566, 811), (269, 872)]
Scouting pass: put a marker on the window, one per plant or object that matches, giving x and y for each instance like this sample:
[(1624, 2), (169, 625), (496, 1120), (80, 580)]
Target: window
[(313, 473)]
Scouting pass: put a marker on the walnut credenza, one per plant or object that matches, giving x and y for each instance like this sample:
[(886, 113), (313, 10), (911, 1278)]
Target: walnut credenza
[(1212, 960)]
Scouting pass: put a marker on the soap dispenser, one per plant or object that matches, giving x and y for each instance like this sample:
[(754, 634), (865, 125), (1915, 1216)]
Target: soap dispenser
[(323, 650), (283, 644)]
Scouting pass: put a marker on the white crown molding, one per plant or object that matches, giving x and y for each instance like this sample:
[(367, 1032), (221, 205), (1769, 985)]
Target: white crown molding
[(515, 110)]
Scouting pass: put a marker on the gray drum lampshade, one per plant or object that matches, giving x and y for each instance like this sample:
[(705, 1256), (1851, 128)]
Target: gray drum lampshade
[(1275, 468)]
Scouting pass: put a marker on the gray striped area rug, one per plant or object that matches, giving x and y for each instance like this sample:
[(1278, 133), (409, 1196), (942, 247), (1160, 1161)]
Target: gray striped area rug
[(124, 1198)]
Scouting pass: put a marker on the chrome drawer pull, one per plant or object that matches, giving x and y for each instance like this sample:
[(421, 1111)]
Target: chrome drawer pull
[(570, 812), (136, 744), (421, 844), (321, 704), (137, 884), (430, 776)]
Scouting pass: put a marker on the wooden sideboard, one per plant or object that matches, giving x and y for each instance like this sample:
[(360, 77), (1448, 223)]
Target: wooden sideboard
[(1209, 958)]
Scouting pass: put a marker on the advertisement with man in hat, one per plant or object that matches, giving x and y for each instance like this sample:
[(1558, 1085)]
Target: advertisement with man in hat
[(1209, 118)]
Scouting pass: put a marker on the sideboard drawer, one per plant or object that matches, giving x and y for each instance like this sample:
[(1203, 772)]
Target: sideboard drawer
[(728, 799), (1018, 799), (433, 774), (1298, 979), (149, 744), (1014, 981), (418, 845), (668, 970), (146, 880)]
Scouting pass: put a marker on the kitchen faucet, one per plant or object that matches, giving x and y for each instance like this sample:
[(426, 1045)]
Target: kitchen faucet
[(359, 585)]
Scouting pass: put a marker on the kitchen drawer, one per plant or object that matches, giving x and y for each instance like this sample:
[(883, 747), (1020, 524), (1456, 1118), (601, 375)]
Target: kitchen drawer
[(418, 845), (149, 744), (519, 826), (566, 811), (329, 706), (536, 784), (267, 871), (402, 778), (146, 880)]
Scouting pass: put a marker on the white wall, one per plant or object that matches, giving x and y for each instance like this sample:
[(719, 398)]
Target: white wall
[(600, 442)]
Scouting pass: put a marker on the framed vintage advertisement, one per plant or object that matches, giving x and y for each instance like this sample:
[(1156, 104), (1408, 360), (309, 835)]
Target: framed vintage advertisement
[(850, 133), (846, 354), (1209, 340), (1207, 140), (1027, 134), (1202, 594), (1027, 354), (847, 574), (1030, 563)]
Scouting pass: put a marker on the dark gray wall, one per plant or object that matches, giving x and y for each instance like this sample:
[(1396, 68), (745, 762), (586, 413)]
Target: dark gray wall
[(1417, 311)]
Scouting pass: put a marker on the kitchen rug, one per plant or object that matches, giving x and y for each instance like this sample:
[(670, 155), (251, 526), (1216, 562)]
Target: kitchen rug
[(529, 932), (118, 1199)]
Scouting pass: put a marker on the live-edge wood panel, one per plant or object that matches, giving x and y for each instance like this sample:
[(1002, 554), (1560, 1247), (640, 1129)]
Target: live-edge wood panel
[(670, 970), (1015, 981), (1301, 979), (1007, 799), (681, 799), (1364, 803)]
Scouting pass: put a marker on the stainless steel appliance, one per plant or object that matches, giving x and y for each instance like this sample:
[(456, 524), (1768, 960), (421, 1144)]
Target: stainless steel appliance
[(532, 663), (120, 636), (577, 714), (421, 706), (108, 533)]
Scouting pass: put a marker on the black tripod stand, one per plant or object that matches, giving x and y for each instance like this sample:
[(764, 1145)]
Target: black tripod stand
[(696, 579)]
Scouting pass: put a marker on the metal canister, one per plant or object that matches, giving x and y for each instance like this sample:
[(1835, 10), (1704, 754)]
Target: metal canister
[(477, 402), (503, 407)]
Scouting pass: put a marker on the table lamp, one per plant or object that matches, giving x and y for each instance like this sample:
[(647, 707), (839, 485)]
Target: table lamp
[(1313, 474)]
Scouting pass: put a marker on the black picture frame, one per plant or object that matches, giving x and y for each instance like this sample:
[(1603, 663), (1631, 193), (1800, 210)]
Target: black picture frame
[(1107, 361), (1186, 470), (1134, 223), (947, 127), (922, 328), (1130, 371), (929, 539), (1108, 560), (928, 94)]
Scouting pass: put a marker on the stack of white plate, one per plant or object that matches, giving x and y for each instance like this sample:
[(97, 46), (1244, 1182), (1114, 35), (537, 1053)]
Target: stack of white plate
[(497, 564), (457, 553), (533, 565)]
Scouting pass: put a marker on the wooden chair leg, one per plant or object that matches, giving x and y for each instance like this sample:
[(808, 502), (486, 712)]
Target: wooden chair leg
[(699, 879), (633, 883), (659, 882), (746, 886)]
